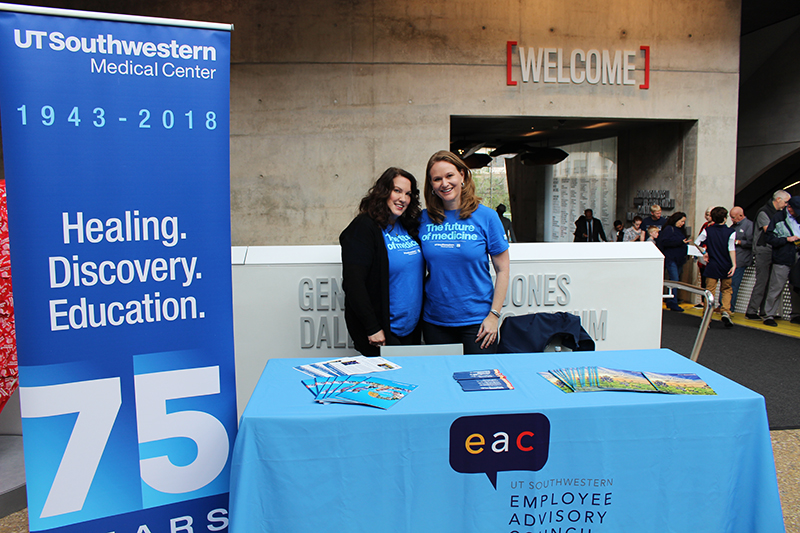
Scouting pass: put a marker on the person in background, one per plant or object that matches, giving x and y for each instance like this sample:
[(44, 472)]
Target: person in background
[(762, 253), (783, 234), (589, 229), (458, 237), (672, 241), (620, 229), (507, 227), (652, 234), (382, 265), (701, 261), (655, 218), (743, 228), (635, 232), (719, 242)]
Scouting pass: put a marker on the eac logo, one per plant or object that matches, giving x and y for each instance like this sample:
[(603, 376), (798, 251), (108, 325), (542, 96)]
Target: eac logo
[(499, 443)]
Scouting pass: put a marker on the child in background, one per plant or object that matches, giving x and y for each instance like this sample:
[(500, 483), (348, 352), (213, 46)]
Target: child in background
[(652, 234), (719, 240)]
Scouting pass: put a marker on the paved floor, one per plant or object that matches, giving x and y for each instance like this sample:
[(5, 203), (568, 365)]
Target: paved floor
[(785, 445), (786, 448)]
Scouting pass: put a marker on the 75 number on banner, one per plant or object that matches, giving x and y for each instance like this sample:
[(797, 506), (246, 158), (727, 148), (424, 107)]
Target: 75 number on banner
[(97, 404)]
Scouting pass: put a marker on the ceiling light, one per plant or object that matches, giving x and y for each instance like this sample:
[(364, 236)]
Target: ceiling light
[(598, 125)]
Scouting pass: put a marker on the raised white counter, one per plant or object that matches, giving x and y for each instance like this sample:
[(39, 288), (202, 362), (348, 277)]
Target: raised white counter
[(288, 300)]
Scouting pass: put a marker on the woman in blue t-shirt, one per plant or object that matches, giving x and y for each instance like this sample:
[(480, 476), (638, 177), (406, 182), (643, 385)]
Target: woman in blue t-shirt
[(458, 236), (382, 265)]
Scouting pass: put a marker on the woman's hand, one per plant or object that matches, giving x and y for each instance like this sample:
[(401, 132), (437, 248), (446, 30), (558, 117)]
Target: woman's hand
[(487, 334), (377, 339)]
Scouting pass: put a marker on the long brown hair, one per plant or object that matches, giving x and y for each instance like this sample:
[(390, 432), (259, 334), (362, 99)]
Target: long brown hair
[(375, 203), (469, 200)]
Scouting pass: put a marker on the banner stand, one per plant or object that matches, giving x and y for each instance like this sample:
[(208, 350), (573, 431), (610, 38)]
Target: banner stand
[(116, 151)]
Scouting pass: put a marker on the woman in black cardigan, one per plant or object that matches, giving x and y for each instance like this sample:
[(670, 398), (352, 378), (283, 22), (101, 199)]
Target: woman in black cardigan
[(672, 241), (382, 265)]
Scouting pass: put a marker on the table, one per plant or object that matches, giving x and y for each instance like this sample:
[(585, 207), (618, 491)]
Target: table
[(616, 462)]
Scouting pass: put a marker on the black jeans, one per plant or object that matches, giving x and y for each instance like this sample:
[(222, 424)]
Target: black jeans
[(433, 334)]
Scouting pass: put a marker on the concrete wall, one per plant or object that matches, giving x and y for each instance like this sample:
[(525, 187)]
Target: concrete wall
[(769, 113), (325, 94), (659, 157), (526, 191)]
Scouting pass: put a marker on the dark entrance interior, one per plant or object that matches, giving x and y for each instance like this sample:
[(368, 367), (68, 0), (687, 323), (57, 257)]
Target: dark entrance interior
[(651, 155)]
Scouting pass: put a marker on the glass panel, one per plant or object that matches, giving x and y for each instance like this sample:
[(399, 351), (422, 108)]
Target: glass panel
[(491, 184), (587, 179)]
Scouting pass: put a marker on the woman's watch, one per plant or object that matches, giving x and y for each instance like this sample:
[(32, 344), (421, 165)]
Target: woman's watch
[(496, 313)]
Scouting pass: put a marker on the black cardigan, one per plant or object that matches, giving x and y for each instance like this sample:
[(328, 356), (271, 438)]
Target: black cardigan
[(365, 279)]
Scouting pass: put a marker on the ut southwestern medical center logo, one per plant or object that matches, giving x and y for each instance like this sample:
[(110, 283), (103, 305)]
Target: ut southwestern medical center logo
[(490, 444)]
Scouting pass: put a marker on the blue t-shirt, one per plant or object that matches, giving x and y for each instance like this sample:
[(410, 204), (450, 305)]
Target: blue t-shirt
[(459, 290), (406, 272)]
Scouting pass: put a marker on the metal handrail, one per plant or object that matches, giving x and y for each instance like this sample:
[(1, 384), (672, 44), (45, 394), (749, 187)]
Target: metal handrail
[(709, 309)]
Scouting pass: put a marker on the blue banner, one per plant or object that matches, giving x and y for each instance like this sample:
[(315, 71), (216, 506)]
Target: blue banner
[(116, 148)]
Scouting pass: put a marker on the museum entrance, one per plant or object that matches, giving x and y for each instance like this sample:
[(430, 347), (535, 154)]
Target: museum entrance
[(555, 168)]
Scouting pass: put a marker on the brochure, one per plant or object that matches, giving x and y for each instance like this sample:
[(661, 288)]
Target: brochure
[(470, 385), (371, 391), (341, 384), (593, 378), (476, 374), (679, 383), (479, 380), (556, 381), (374, 392), (348, 366), (311, 385)]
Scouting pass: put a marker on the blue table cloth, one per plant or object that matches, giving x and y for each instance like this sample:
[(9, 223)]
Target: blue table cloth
[(614, 461)]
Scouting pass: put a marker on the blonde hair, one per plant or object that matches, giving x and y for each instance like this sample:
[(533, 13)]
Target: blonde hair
[(469, 200)]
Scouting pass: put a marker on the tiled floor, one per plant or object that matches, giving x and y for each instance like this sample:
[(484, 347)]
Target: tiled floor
[(785, 444)]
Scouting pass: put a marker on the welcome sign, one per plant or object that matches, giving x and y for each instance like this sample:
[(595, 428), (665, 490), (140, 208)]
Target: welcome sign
[(116, 147)]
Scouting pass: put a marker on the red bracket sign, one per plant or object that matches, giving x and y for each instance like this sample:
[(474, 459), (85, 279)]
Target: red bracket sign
[(646, 84), (509, 46)]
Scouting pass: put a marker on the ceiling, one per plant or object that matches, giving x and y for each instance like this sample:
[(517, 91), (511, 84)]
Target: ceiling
[(474, 132), (759, 14)]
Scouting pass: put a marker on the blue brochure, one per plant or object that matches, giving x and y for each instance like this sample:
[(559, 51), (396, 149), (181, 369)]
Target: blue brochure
[(470, 385), (374, 392)]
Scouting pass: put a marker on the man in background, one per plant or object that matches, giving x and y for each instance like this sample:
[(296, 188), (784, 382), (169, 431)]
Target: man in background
[(655, 218), (783, 234), (763, 253), (743, 229), (589, 229)]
